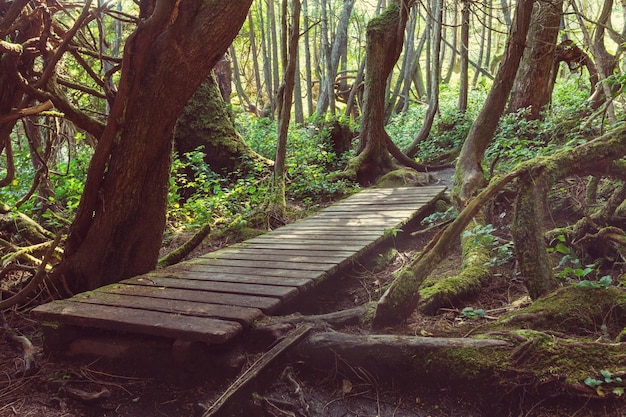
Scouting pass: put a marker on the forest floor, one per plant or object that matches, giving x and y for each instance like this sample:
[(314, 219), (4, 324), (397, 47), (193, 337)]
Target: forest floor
[(53, 389)]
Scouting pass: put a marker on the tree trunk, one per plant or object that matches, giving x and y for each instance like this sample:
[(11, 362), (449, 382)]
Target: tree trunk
[(469, 173), (255, 62), (385, 37), (532, 86), (464, 82), (278, 203), (433, 95), (205, 125), (339, 48), (120, 220), (307, 60)]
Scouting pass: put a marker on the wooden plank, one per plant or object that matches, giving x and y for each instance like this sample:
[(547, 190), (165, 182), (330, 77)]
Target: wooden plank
[(203, 272), (302, 284), (312, 225), (408, 208), (391, 215), (304, 246), (338, 242), (263, 263), (190, 283), (265, 304), (131, 320), (383, 202), (325, 232), (242, 315), (432, 190), (284, 255)]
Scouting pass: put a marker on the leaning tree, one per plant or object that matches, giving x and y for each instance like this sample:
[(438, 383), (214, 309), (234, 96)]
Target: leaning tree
[(121, 216)]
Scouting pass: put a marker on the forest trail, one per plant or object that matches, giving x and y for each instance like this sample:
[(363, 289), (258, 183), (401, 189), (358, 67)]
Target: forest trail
[(215, 297)]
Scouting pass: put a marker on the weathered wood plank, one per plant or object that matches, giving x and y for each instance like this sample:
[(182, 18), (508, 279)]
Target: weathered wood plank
[(304, 246), (231, 276), (240, 314), (265, 304), (263, 263), (286, 255), (131, 320), (195, 282), (200, 272)]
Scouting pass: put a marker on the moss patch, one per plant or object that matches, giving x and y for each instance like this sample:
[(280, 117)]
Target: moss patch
[(574, 310)]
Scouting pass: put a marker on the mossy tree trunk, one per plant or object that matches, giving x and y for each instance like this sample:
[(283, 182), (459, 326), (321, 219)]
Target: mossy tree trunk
[(402, 296), (528, 235), (384, 40), (205, 125), (601, 156)]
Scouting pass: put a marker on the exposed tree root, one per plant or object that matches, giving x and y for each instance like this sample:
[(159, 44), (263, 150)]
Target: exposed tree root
[(475, 272), (185, 249)]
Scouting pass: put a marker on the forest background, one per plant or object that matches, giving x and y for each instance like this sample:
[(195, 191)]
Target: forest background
[(523, 99)]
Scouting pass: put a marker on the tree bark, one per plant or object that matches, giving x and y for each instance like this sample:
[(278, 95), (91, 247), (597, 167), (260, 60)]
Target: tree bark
[(469, 173), (119, 223), (532, 86), (327, 94), (278, 203), (205, 125), (464, 82), (433, 95), (385, 37)]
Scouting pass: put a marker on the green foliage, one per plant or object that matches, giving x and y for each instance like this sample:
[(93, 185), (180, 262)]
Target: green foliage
[(571, 266), (448, 132), (440, 216), (311, 164), (473, 313), (603, 283), (198, 195), (606, 377), (67, 174), (502, 250)]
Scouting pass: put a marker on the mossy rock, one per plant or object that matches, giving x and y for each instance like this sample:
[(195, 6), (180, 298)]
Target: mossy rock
[(404, 177), (574, 310)]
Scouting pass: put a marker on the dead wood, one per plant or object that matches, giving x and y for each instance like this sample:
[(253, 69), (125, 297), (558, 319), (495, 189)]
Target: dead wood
[(226, 400), (29, 364), (413, 359)]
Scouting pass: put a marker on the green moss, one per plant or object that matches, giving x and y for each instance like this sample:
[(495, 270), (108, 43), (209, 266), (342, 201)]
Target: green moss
[(575, 310), (384, 259), (403, 177), (385, 20)]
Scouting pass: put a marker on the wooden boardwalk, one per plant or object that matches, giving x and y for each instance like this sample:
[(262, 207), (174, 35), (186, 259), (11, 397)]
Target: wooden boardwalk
[(213, 298)]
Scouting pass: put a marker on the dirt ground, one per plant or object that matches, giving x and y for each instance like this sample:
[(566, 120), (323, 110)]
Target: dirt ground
[(58, 388)]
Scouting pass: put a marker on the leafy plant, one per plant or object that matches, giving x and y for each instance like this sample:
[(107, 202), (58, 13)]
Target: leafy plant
[(440, 216), (606, 378), (483, 235), (571, 265), (603, 283), (472, 313)]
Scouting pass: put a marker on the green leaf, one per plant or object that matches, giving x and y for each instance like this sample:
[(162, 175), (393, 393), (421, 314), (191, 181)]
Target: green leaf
[(561, 248), (592, 382), (605, 281), (619, 391)]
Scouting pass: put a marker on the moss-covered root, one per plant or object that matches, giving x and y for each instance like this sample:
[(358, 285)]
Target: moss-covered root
[(402, 296), (475, 272)]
